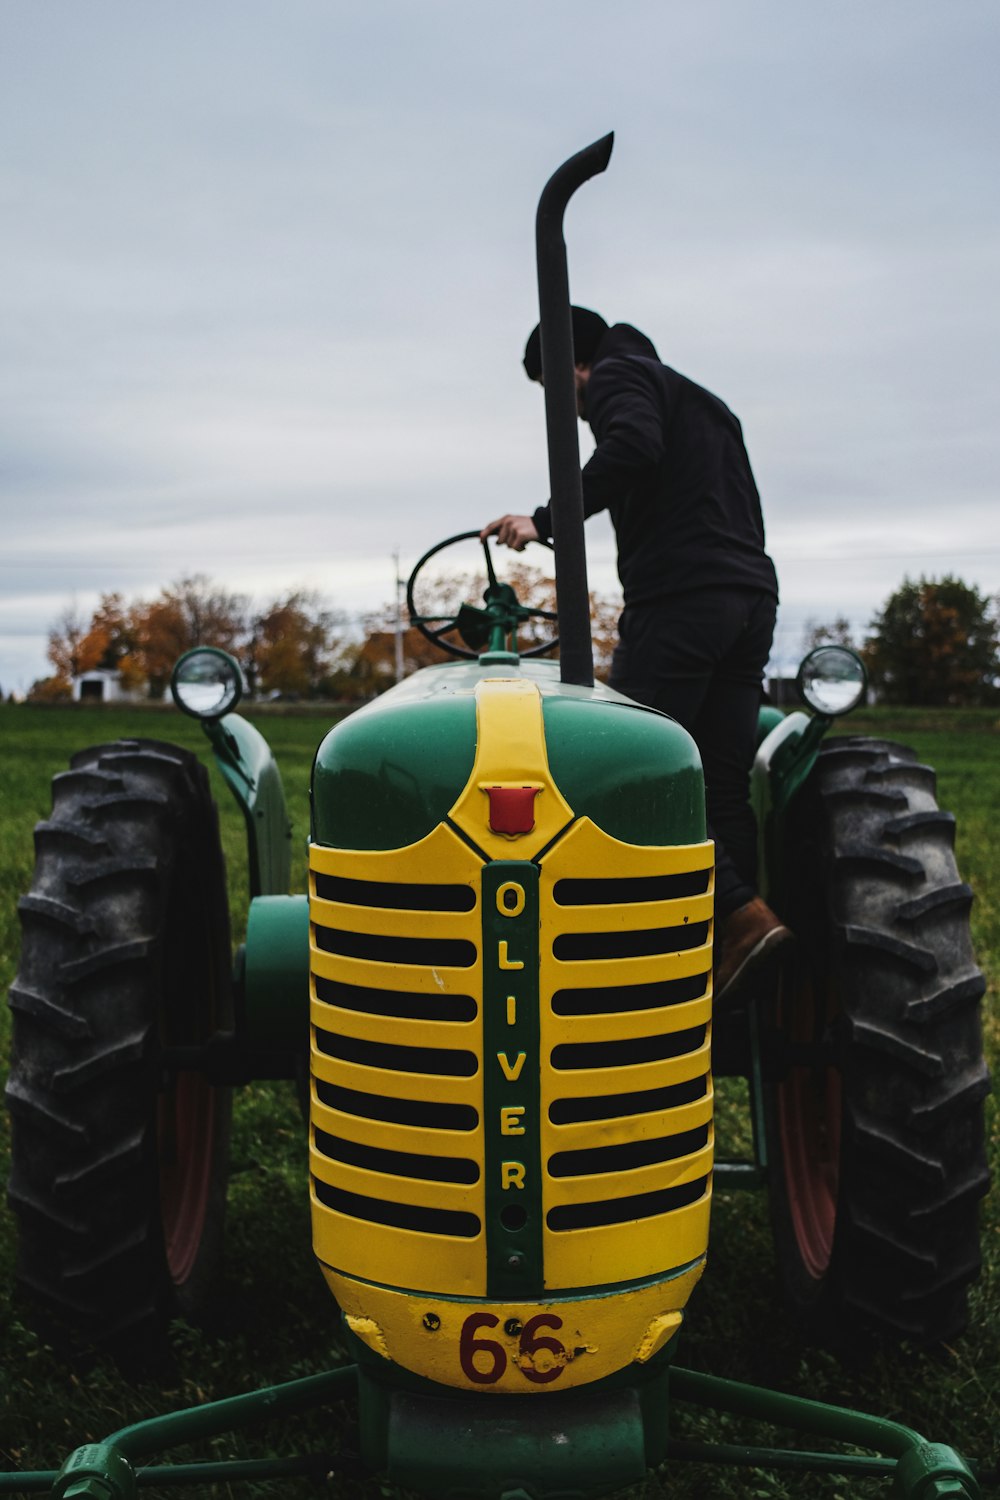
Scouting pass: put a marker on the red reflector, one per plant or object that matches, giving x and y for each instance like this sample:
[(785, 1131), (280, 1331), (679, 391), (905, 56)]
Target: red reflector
[(512, 808)]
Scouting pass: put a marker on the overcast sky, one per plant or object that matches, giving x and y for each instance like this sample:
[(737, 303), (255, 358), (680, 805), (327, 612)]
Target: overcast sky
[(266, 272)]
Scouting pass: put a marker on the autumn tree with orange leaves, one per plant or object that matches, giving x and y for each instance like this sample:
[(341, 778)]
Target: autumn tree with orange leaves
[(295, 648), (294, 645), (191, 612), (375, 669), (291, 645)]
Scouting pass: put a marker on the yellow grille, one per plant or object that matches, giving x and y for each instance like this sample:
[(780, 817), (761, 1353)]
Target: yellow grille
[(396, 1147), (626, 1093)]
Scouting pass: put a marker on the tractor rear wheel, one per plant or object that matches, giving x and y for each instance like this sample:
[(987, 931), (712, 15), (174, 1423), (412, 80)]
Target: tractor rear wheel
[(875, 1078), (118, 1160)]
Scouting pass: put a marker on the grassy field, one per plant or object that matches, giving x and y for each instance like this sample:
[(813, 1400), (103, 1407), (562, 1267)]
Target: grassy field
[(272, 1318)]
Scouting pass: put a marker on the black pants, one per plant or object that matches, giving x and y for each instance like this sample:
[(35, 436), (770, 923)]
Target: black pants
[(700, 657)]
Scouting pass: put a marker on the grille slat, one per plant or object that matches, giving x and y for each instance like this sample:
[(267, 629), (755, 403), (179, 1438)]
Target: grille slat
[(628, 1155), (629, 1052), (612, 891), (616, 1185), (377, 947), (635, 1106), (593, 1083), (399, 1005), (617, 999), (657, 969), (410, 1216), (636, 916), (422, 1114), (415, 1192), (631, 1025), (625, 1210), (395, 1163), (573, 947), (395, 895), (434, 1061)]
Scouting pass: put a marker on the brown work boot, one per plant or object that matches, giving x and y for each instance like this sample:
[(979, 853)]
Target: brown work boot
[(748, 937)]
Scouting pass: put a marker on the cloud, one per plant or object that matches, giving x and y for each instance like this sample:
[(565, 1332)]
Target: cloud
[(265, 281)]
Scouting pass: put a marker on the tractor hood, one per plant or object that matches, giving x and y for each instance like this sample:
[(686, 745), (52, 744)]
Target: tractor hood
[(389, 774)]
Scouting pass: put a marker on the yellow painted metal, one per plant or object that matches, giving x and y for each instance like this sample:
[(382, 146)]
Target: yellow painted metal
[(636, 916), (459, 1035), (392, 1189), (579, 1339), (597, 1334), (645, 1127), (593, 1257), (373, 975), (396, 1085), (587, 851), (510, 752), (441, 1263), (638, 1246), (392, 922), (586, 1083), (618, 1025), (442, 858), (437, 1262), (385, 1135), (606, 1187), (594, 973)]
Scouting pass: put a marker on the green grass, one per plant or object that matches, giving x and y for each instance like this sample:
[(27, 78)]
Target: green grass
[(272, 1317)]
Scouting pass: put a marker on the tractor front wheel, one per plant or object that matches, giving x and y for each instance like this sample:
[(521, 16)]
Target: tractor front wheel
[(118, 1158), (875, 1078)]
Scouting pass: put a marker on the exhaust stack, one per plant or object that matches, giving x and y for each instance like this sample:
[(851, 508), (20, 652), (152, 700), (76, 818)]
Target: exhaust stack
[(576, 653)]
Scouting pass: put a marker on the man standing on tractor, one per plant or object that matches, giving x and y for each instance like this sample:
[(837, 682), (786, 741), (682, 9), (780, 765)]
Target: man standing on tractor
[(700, 591)]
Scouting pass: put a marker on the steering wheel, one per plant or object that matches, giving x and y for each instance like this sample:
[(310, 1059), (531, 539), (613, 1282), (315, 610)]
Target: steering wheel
[(485, 628)]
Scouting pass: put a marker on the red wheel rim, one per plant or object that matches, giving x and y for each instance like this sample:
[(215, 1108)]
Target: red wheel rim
[(186, 1128), (809, 1101)]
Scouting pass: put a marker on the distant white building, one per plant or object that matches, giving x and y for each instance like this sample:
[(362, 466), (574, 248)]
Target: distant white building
[(103, 685)]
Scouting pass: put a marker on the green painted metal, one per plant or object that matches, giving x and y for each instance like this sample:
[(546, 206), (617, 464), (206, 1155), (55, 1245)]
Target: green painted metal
[(636, 773), (749, 1456), (582, 1444), (389, 774), (107, 1470), (316, 1466), (921, 1467), (511, 1106), (97, 1469), (276, 974), (251, 773), (591, 1441), (768, 719), (781, 768)]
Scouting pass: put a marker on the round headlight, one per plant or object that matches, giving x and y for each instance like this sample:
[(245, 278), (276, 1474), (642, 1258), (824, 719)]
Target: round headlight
[(207, 682), (832, 680)]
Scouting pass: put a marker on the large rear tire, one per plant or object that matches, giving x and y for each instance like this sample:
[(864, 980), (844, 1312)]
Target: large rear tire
[(118, 1163), (874, 1062)]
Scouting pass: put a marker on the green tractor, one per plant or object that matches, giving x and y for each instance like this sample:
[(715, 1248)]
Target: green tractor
[(497, 998)]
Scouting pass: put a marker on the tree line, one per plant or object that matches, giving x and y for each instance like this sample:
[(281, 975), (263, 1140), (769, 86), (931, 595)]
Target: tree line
[(934, 643), (294, 646)]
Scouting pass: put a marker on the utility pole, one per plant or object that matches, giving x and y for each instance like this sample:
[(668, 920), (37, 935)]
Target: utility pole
[(399, 619)]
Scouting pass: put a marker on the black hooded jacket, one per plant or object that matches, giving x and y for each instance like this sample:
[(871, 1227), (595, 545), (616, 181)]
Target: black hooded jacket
[(671, 468)]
